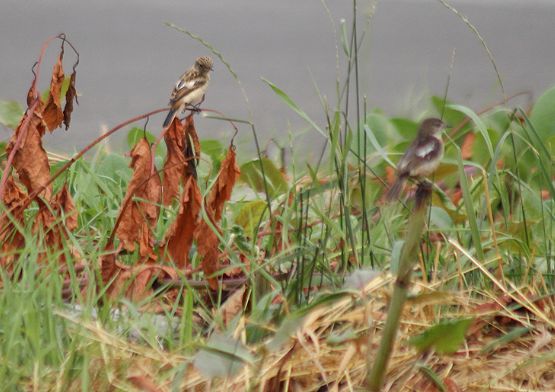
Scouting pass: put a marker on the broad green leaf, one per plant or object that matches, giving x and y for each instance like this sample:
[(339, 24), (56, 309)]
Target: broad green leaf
[(10, 113), (252, 174), (479, 124), (222, 356), (249, 215), (379, 126), (136, 133), (214, 149), (445, 337), (296, 108), (543, 114), (440, 218), (405, 127), (450, 116)]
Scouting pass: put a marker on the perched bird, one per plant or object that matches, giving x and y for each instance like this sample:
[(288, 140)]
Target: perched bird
[(190, 88), (421, 158)]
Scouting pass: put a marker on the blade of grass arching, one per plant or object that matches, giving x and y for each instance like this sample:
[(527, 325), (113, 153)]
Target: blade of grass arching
[(469, 206), (478, 122), (467, 22), (293, 105)]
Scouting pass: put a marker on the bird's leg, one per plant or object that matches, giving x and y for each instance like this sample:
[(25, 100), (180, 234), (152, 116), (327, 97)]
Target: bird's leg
[(196, 108)]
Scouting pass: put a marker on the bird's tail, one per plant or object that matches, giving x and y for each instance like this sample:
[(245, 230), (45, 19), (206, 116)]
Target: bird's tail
[(395, 190), (170, 117)]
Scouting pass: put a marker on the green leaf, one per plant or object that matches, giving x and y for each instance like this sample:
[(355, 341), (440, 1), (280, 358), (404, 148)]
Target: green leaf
[(251, 173), (10, 113), (479, 124), (543, 114), (249, 215), (445, 337), (296, 108), (405, 127), (450, 116), (136, 133), (222, 356), (214, 149), (440, 218)]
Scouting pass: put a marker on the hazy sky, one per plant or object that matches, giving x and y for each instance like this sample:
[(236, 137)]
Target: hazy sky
[(130, 59)]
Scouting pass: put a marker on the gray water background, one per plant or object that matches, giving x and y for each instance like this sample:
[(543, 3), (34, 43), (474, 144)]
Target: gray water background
[(130, 59)]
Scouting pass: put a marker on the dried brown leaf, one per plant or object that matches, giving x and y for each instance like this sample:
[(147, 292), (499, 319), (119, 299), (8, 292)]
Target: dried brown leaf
[(139, 209), (63, 202), (10, 238), (208, 249), (175, 165), (71, 95), (180, 235), (192, 146), (221, 191), (468, 144), (133, 281), (30, 160), (143, 383), (52, 113)]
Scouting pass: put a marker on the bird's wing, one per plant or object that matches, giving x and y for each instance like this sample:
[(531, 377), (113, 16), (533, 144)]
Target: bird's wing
[(420, 151), (186, 83), (428, 149)]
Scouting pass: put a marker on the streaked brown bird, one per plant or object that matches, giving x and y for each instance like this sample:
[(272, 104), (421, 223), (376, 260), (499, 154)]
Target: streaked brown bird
[(190, 88), (422, 157)]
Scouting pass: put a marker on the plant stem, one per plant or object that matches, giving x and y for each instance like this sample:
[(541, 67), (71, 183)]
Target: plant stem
[(415, 229)]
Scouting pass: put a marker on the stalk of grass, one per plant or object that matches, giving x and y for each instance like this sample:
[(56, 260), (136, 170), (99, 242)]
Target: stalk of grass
[(409, 257)]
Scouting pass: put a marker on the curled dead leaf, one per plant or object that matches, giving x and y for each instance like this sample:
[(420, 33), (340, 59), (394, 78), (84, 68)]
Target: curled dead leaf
[(208, 249), (30, 160), (180, 235), (221, 191), (134, 281), (71, 95), (140, 206), (174, 167), (63, 204), (52, 112)]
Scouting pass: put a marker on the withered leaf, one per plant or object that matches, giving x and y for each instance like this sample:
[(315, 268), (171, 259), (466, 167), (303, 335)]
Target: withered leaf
[(30, 160), (63, 204), (143, 383), (138, 216), (175, 165), (108, 267), (180, 235), (133, 281), (192, 151), (71, 95), (221, 191), (468, 144), (52, 113), (10, 237), (208, 249)]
